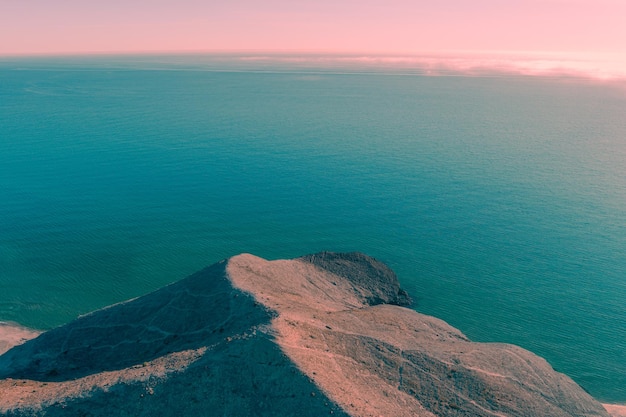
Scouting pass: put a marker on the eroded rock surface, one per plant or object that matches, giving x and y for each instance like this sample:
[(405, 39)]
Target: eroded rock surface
[(372, 280), (319, 335)]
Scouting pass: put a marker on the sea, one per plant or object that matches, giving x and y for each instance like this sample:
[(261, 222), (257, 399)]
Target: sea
[(499, 199)]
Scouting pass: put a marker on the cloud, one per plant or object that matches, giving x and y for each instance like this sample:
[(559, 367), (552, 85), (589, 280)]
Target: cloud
[(601, 67)]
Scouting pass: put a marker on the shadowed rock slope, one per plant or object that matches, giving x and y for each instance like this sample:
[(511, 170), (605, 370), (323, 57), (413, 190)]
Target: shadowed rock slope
[(319, 335)]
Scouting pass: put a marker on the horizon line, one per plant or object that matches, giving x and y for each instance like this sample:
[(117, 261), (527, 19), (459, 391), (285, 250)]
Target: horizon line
[(598, 66)]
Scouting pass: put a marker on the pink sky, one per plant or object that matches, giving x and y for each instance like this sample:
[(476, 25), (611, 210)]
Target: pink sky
[(580, 28)]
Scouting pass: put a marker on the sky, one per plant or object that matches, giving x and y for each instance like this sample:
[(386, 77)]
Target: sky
[(578, 29)]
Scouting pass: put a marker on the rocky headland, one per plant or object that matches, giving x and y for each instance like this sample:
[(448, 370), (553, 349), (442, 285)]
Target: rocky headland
[(325, 334)]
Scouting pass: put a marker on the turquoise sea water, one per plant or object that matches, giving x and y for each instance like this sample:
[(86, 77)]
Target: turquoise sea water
[(499, 201)]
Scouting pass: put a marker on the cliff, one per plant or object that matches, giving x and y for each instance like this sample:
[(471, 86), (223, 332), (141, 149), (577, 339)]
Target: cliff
[(322, 334)]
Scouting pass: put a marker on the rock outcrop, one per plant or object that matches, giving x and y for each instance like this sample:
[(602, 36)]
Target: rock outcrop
[(319, 335)]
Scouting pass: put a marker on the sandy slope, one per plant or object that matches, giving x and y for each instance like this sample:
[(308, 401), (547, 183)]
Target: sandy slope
[(13, 335), (616, 410), (319, 335)]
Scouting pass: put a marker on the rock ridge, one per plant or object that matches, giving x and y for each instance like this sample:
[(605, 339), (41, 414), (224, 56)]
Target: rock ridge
[(318, 335)]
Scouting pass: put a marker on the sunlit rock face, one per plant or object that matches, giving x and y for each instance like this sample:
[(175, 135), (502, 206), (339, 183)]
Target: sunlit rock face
[(318, 335)]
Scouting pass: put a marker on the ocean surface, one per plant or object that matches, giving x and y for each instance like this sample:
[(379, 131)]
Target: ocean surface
[(500, 201)]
